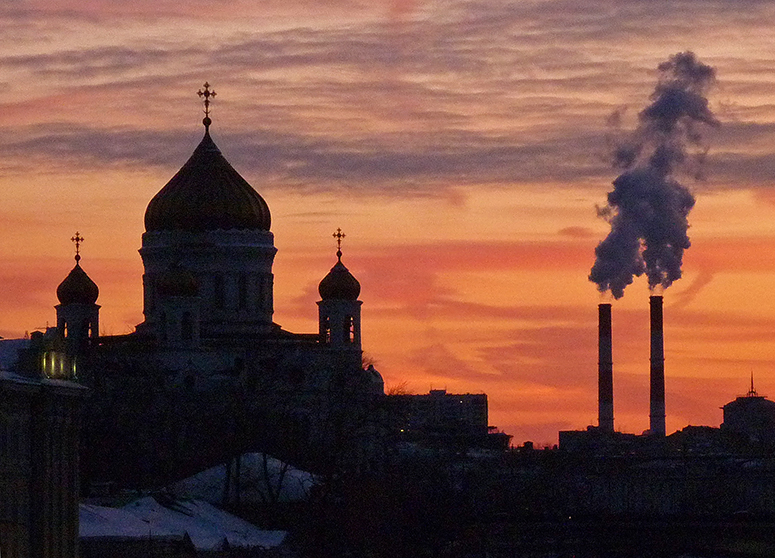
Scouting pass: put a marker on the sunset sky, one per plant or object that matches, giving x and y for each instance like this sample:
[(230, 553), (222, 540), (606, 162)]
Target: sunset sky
[(462, 146)]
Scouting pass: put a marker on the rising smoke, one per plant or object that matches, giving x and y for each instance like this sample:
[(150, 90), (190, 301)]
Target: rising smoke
[(648, 207)]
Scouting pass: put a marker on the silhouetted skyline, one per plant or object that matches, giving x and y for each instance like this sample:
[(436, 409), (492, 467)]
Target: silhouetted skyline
[(461, 145)]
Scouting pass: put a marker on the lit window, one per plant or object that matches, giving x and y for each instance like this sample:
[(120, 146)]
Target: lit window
[(349, 330), (325, 329)]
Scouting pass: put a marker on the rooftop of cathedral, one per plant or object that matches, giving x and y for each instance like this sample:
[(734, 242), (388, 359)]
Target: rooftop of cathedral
[(207, 193)]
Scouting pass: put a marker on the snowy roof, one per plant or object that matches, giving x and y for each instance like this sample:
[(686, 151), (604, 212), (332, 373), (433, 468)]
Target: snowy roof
[(262, 479), (101, 522), (9, 351), (208, 527)]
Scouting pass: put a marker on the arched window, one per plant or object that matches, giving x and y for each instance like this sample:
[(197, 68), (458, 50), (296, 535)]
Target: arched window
[(296, 375), (163, 327), (187, 327), (242, 292), (325, 329), (150, 288), (349, 330), (219, 292), (266, 294), (258, 302), (239, 366)]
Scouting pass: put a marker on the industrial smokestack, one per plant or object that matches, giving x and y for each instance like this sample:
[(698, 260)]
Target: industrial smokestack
[(657, 416), (605, 370)]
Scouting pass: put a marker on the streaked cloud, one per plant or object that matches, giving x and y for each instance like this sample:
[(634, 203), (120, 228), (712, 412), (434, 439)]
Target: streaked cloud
[(479, 126)]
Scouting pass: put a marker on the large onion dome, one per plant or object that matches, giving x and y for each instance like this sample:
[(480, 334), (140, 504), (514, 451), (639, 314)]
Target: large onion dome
[(77, 288), (339, 284), (207, 194)]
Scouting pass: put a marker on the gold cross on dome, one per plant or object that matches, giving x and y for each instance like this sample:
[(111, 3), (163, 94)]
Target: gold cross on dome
[(77, 239), (339, 235), (206, 94)]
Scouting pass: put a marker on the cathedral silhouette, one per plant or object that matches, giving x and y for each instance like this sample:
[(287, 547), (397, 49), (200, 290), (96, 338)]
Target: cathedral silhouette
[(208, 374)]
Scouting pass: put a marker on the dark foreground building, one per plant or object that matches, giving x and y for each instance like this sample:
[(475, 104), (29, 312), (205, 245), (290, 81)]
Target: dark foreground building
[(39, 432), (752, 416), (444, 420)]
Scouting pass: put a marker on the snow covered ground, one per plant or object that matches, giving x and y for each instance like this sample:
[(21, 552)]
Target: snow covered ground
[(208, 527), (262, 479)]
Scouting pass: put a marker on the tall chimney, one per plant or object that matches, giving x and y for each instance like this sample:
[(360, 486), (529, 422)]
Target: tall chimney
[(657, 416), (605, 370)]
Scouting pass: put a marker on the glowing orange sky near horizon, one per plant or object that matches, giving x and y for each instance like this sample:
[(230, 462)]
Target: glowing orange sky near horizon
[(465, 174)]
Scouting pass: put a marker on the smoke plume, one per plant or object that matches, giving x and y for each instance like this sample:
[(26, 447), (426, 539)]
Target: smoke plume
[(648, 207)]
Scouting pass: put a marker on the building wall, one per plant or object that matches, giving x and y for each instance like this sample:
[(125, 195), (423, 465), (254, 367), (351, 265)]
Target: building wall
[(233, 270), (753, 416), (439, 412), (157, 414), (39, 489)]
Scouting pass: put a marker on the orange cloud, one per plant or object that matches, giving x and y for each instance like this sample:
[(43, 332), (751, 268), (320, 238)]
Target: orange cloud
[(401, 119)]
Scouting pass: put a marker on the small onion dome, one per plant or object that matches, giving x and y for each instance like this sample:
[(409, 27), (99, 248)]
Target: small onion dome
[(177, 281), (77, 288), (207, 194), (339, 284)]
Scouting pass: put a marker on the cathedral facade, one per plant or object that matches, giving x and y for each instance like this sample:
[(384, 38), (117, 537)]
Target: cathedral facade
[(208, 373)]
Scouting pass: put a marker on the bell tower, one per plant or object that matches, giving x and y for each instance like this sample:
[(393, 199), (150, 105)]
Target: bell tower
[(339, 309), (78, 315), (78, 319)]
